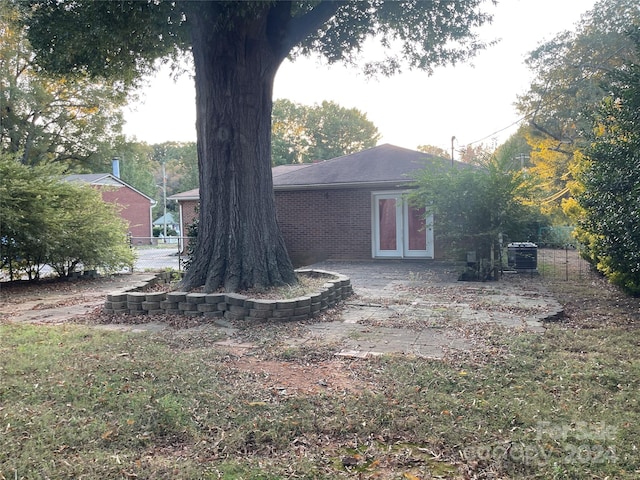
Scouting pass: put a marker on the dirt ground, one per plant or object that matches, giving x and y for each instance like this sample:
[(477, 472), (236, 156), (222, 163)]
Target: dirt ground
[(59, 302), (398, 308), (56, 301)]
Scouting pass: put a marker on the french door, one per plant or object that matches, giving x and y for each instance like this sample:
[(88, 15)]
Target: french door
[(399, 229)]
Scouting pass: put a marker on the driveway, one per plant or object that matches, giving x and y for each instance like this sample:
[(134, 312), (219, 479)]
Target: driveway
[(157, 258)]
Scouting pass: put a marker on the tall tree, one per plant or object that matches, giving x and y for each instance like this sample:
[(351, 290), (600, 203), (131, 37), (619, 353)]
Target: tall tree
[(610, 196), (302, 134), (45, 118), (237, 49), (176, 170), (568, 69), (433, 150), (137, 167), (181, 165), (339, 131), (290, 140), (567, 86), (476, 155)]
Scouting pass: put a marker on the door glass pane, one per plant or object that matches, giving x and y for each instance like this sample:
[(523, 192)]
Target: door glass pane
[(417, 229), (387, 221)]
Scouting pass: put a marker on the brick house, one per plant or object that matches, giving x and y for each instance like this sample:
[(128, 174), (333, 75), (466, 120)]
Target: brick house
[(187, 207), (134, 206), (348, 208)]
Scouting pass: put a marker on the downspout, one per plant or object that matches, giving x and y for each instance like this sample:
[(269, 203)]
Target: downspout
[(151, 205), (183, 233)]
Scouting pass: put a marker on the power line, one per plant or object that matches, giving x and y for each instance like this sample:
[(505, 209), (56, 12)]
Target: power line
[(498, 131), (583, 77)]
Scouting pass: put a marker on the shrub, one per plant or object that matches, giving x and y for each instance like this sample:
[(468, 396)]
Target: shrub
[(610, 227), (47, 221)]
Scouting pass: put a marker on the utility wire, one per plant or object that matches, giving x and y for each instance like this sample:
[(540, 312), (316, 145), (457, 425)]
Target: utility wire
[(498, 131)]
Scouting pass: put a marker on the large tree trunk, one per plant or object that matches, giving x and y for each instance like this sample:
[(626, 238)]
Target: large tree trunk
[(239, 242)]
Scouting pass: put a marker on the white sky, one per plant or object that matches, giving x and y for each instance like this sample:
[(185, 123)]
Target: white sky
[(471, 103)]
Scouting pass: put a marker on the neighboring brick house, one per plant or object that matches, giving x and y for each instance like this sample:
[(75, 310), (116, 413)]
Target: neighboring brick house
[(188, 203), (348, 208), (188, 209), (133, 206)]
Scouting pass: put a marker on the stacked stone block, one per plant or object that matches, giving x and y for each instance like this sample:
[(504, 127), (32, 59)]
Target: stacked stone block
[(232, 306)]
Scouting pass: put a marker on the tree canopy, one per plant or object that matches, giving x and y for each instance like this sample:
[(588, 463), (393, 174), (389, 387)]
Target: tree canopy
[(303, 134), (43, 118), (433, 150), (237, 48), (568, 71), (123, 40), (610, 189), (181, 161)]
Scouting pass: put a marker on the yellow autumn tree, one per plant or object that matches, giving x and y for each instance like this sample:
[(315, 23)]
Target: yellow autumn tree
[(567, 84), (551, 163)]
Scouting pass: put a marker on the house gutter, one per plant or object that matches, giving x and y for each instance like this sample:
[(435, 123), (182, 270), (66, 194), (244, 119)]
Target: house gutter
[(336, 186)]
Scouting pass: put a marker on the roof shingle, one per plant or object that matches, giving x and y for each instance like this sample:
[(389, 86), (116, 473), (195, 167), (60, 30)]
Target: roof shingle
[(384, 164)]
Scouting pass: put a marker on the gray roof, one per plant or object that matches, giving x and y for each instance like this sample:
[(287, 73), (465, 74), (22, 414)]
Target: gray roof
[(93, 179), (102, 179), (382, 165), (282, 169), (168, 218), (193, 194)]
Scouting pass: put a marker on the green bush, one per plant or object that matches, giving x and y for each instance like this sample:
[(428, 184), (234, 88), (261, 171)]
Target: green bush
[(87, 232), (159, 230), (474, 206), (610, 227), (47, 221)]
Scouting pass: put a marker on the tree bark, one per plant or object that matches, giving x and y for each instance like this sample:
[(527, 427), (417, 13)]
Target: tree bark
[(239, 242)]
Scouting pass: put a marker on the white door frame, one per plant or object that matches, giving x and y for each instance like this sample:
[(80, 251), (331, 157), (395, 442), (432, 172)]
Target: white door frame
[(377, 251), (402, 228)]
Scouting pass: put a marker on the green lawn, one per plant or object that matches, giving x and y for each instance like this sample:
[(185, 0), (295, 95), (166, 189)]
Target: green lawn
[(79, 402)]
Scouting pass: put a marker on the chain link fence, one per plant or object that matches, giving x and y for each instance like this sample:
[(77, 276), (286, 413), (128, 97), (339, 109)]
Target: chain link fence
[(156, 253), (562, 264)]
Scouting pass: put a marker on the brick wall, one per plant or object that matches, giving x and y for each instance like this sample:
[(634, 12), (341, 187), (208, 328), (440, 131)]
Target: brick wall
[(134, 208), (325, 224), (189, 214), (319, 225)]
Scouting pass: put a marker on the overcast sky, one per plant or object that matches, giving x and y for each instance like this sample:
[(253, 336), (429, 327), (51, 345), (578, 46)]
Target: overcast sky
[(472, 103)]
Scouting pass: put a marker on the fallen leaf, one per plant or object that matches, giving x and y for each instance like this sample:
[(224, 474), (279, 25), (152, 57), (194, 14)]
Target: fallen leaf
[(410, 476)]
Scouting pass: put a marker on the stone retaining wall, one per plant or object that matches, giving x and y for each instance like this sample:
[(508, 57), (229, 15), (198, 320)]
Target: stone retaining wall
[(232, 306)]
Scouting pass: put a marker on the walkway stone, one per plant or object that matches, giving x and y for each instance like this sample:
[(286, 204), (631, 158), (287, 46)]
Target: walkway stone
[(421, 309), (412, 308)]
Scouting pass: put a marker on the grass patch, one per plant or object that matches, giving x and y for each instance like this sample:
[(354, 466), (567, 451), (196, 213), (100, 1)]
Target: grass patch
[(82, 402)]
